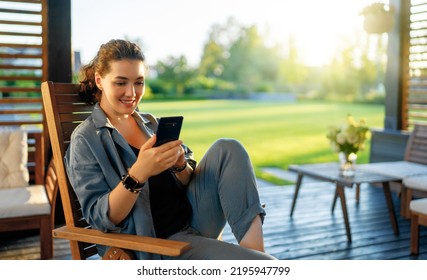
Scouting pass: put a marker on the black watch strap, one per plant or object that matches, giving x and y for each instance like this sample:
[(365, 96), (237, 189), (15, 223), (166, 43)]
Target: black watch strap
[(132, 184)]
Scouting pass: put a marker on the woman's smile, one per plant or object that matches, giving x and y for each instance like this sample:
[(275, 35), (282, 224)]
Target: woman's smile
[(128, 101)]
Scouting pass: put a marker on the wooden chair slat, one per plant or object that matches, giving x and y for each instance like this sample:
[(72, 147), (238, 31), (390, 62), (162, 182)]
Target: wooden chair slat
[(69, 98), (73, 118), (74, 109), (68, 128)]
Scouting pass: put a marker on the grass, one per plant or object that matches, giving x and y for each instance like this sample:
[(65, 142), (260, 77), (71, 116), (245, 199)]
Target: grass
[(275, 134)]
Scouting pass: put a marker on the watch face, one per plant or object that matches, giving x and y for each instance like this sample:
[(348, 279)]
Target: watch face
[(130, 183)]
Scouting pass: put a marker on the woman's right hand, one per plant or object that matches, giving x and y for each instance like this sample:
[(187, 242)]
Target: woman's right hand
[(151, 161), (154, 160)]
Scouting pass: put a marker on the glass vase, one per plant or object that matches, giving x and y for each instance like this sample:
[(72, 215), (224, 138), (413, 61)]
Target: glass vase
[(347, 164)]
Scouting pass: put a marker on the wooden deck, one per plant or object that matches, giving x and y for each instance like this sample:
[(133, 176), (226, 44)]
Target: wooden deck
[(314, 232)]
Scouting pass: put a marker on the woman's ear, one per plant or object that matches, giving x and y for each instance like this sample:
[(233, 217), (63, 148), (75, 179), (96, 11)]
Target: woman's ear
[(98, 80)]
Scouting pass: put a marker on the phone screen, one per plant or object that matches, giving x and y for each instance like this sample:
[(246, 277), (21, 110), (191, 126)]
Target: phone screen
[(168, 129)]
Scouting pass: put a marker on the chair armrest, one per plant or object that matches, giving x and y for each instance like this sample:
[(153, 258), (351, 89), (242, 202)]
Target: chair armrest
[(122, 240)]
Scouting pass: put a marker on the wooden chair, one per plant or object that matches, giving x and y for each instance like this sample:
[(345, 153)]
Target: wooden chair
[(64, 111), (418, 209), (40, 189), (413, 164), (416, 152)]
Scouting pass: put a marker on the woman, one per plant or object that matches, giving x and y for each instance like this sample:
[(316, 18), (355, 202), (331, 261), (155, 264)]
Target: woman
[(124, 184)]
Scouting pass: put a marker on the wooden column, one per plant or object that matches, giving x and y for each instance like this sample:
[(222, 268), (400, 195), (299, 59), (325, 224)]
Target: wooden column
[(59, 51), (396, 73)]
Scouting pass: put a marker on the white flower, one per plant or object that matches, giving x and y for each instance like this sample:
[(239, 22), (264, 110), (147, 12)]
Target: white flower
[(341, 138), (349, 137)]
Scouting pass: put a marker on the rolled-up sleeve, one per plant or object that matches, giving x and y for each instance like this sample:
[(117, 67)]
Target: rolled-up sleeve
[(89, 183)]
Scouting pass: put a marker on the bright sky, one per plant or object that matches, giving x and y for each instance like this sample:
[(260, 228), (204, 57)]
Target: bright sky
[(181, 27)]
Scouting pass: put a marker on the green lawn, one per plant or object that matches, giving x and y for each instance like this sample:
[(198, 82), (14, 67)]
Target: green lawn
[(275, 134)]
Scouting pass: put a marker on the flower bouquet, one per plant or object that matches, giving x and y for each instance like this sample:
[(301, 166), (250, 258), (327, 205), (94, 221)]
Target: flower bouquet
[(347, 139)]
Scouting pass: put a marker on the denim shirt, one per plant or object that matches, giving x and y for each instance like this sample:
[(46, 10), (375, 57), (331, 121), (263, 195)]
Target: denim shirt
[(96, 160)]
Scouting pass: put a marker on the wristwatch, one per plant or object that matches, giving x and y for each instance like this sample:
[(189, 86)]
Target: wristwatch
[(131, 183)]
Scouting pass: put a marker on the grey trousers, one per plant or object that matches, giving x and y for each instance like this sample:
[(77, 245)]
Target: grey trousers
[(223, 189)]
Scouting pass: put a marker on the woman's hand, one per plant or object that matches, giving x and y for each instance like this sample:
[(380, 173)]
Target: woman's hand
[(151, 161), (154, 160), (181, 159)]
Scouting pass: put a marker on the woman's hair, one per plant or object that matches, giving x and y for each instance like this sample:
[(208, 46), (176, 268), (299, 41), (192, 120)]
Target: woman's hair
[(113, 50)]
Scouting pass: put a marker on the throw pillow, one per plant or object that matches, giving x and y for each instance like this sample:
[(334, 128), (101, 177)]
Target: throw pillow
[(13, 158)]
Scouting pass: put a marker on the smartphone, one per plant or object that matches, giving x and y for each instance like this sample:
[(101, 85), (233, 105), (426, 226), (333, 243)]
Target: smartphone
[(168, 129)]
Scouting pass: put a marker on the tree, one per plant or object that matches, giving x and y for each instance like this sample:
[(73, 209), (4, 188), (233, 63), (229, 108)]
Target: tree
[(251, 64), (213, 60), (238, 54), (292, 72), (175, 73), (216, 49), (371, 74)]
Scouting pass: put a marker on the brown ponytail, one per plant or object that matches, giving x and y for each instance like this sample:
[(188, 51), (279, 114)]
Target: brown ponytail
[(111, 51)]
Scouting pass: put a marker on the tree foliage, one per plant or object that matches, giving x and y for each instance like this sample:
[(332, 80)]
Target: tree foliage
[(175, 73), (237, 60)]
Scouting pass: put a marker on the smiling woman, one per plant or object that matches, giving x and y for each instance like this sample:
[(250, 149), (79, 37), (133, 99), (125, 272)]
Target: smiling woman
[(157, 190)]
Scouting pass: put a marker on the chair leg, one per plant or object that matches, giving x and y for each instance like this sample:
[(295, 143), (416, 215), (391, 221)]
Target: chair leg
[(389, 201), (405, 201), (415, 234), (46, 239)]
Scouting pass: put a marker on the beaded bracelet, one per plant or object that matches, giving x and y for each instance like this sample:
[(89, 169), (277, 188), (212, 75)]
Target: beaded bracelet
[(178, 169)]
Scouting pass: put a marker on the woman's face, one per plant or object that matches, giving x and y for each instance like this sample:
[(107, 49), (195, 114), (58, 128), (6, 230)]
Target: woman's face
[(122, 88)]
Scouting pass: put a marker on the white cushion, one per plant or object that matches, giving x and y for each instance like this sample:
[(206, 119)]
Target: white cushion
[(25, 201), (416, 182), (13, 158), (398, 169), (419, 205)]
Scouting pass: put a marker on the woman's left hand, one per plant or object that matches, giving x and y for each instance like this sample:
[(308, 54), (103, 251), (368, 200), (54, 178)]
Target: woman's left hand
[(181, 158)]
